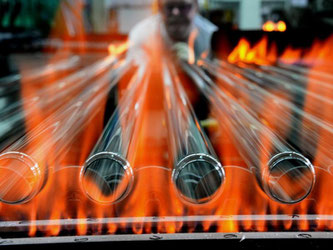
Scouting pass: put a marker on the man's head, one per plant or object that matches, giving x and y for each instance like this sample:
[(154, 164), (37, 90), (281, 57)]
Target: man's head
[(178, 17)]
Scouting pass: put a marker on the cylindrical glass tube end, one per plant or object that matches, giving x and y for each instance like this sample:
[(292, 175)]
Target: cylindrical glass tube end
[(290, 177), (198, 178), (20, 178), (106, 178)]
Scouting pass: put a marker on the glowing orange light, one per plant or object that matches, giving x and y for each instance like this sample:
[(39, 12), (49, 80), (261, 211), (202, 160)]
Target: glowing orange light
[(240, 51), (154, 7), (259, 53), (291, 55), (191, 55), (281, 26), (153, 194), (269, 26), (118, 49)]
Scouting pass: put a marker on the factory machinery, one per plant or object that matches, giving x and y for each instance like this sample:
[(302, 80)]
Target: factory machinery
[(117, 147)]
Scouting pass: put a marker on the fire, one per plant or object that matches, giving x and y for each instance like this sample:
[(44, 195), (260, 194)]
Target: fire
[(291, 55), (258, 54), (265, 53), (153, 205), (316, 56), (153, 188), (320, 56), (319, 77), (191, 56), (118, 49)]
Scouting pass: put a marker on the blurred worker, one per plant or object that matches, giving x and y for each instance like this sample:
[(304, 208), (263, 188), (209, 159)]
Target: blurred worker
[(179, 27)]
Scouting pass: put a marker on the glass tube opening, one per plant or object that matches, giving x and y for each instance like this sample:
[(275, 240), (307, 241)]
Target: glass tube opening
[(106, 178), (21, 179), (290, 178), (198, 178)]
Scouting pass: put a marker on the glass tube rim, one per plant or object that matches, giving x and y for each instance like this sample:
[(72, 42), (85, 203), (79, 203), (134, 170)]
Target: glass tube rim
[(277, 159), (124, 164), (189, 159), (33, 166)]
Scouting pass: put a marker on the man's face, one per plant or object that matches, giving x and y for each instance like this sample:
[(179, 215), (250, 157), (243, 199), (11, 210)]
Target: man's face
[(178, 16)]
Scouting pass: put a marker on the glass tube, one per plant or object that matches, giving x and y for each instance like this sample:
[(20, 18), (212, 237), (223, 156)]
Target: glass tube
[(21, 178), (323, 75), (285, 175), (289, 118), (23, 164), (40, 74), (52, 98), (296, 87), (107, 176), (197, 175), (322, 79)]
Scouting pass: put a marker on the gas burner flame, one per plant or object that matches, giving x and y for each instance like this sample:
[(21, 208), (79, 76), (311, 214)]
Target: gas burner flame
[(61, 183)]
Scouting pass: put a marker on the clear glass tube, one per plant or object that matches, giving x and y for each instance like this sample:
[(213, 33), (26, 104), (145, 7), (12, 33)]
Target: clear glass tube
[(301, 128), (198, 175), (107, 176), (303, 76), (27, 158), (38, 75), (296, 88), (21, 178), (51, 98), (320, 74), (62, 64), (285, 175)]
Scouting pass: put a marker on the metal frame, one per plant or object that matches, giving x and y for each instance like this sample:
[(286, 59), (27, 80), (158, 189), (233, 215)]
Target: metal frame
[(158, 237), (23, 226)]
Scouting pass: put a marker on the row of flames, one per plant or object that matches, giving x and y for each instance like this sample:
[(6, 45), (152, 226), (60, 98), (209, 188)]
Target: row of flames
[(154, 196)]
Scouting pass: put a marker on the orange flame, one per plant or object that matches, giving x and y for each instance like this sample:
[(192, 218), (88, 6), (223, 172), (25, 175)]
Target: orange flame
[(242, 205), (291, 55), (258, 54), (118, 49), (191, 56), (263, 53)]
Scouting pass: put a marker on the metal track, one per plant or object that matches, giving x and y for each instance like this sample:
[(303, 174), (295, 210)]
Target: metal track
[(158, 237)]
